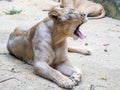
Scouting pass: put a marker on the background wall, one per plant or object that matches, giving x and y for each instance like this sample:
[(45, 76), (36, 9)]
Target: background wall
[(112, 7)]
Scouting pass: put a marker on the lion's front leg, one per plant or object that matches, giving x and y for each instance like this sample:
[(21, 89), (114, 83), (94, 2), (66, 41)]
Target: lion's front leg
[(43, 69), (42, 62), (71, 71)]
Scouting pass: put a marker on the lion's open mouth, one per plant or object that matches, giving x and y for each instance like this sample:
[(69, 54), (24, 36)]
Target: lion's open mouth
[(78, 33)]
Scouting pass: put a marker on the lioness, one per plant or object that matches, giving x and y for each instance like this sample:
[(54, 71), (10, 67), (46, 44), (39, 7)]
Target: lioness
[(91, 9), (44, 46)]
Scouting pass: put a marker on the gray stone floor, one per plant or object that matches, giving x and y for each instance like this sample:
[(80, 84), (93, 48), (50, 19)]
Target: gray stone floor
[(101, 69)]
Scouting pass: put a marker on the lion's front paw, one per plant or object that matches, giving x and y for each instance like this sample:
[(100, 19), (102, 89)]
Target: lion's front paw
[(76, 78), (66, 83)]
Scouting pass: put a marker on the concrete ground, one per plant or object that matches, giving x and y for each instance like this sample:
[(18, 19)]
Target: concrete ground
[(101, 70)]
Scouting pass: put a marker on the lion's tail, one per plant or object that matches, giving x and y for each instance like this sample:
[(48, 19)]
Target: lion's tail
[(103, 13)]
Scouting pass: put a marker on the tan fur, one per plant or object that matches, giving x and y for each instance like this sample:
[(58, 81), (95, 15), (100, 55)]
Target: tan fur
[(91, 9), (44, 46)]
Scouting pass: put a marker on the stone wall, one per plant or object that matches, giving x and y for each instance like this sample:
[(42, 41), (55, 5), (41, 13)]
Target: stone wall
[(112, 7)]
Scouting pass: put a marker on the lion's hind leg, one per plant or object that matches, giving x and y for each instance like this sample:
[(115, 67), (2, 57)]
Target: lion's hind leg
[(18, 32)]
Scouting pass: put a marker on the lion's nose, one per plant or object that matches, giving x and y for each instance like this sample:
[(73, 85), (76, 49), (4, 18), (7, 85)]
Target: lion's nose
[(83, 15)]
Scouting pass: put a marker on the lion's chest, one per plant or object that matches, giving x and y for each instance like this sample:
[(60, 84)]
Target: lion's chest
[(43, 47), (60, 54)]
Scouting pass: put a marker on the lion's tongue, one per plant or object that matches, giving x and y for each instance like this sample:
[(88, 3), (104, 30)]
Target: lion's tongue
[(80, 35)]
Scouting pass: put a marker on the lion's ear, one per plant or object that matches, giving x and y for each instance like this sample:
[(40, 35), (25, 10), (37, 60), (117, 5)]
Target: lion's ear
[(55, 15)]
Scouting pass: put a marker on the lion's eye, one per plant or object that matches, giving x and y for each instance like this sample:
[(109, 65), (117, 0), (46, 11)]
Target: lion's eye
[(73, 13)]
